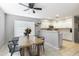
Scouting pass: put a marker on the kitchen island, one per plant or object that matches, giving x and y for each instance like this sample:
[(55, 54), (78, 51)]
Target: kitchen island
[(53, 38)]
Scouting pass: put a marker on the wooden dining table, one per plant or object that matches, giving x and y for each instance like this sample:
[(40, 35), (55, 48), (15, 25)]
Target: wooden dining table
[(27, 43)]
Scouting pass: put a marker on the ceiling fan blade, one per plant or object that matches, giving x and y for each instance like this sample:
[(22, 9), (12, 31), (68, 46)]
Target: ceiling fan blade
[(26, 9), (38, 8), (33, 11), (22, 4)]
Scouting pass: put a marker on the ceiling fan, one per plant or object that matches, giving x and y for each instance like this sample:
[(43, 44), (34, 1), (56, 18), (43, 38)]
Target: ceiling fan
[(30, 6)]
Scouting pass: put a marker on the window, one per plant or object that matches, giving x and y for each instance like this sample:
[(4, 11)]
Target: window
[(20, 26)]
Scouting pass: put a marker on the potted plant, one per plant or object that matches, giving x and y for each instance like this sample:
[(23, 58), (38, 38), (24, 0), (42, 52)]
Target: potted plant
[(27, 32)]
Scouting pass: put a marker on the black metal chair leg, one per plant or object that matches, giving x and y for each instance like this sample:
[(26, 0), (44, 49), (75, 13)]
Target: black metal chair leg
[(11, 53), (20, 51), (43, 48)]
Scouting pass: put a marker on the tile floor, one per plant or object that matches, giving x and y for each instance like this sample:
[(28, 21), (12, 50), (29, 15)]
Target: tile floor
[(68, 49)]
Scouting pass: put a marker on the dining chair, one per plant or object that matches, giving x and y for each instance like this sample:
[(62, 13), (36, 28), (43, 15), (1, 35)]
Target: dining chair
[(42, 44), (15, 40), (13, 45), (13, 48)]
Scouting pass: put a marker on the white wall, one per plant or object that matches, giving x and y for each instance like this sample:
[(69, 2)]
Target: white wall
[(2, 27)]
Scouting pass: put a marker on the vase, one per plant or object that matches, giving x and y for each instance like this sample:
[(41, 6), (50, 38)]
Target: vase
[(28, 36)]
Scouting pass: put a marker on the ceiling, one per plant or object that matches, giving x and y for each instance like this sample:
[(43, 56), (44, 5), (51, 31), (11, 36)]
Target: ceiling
[(49, 10)]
